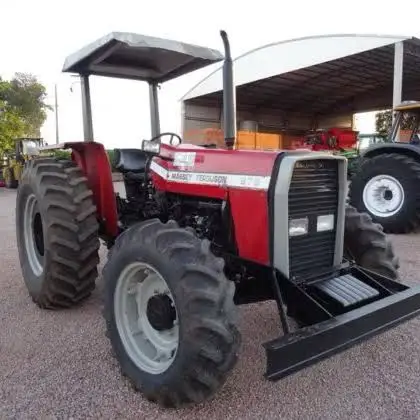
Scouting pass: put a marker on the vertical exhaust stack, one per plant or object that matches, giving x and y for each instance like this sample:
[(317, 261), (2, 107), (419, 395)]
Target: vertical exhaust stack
[(229, 111)]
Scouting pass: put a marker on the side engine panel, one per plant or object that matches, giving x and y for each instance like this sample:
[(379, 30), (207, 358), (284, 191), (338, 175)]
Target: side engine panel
[(238, 179)]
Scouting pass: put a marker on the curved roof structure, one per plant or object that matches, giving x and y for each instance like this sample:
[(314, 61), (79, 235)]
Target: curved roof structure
[(317, 74)]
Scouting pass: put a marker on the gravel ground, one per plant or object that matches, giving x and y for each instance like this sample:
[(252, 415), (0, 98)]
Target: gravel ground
[(59, 364)]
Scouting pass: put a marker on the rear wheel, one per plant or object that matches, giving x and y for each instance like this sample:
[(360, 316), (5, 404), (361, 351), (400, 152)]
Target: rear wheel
[(387, 187), (366, 244), (169, 313), (57, 233)]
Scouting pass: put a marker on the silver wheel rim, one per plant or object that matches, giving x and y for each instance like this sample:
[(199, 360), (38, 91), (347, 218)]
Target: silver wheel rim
[(383, 196), (151, 350), (32, 228)]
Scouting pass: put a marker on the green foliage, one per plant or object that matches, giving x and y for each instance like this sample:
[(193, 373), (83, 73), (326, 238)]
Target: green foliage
[(111, 158), (383, 122), (26, 96), (62, 154), (23, 109), (11, 127), (66, 154)]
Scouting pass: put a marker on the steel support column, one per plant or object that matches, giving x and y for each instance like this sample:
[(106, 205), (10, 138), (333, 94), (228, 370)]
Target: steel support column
[(86, 109), (154, 109), (398, 75)]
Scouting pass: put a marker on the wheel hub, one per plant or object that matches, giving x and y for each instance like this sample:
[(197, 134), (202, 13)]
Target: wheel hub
[(383, 196), (161, 312), (146, 317)]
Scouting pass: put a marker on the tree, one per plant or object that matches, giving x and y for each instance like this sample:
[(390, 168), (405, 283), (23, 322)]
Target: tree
[(23, 99), (383, 122), (11, 127)]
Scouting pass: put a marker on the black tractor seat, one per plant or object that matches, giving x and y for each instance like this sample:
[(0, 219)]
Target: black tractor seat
[(130, 160)]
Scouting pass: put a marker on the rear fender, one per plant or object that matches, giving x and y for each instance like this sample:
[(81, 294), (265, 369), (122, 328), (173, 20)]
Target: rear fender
[(406, 149), (92, 158)]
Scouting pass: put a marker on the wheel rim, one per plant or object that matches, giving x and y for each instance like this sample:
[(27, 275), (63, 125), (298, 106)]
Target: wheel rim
[(383, 196), (34, 236), (146, 318)]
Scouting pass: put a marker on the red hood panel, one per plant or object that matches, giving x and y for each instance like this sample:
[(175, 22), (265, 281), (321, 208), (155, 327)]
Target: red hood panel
[(240, 162)]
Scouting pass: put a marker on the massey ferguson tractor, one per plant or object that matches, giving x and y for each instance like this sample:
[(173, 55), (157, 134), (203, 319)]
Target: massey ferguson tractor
[(199, 232)]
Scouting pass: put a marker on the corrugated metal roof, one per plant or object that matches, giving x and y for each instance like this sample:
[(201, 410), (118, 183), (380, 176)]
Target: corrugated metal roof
[(317, 75)]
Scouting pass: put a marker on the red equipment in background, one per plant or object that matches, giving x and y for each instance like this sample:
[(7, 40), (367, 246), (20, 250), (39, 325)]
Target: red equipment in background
[(335, 138)]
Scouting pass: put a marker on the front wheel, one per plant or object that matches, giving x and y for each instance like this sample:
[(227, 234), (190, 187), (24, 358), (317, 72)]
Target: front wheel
[(387, 187), (367, 245), (169, 313)]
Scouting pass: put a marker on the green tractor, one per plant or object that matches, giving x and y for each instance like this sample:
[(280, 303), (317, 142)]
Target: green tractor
[(13, 162), (367, 139), (387, 182)]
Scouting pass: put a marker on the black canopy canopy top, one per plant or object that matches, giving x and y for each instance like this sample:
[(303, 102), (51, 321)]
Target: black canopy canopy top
[(139, 57)]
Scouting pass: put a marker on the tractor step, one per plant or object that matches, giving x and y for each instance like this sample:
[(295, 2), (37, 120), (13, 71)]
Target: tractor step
[(308, 345), (347, 290)]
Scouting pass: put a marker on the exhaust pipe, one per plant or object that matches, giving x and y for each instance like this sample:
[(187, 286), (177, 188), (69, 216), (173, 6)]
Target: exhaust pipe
[(229, 112)]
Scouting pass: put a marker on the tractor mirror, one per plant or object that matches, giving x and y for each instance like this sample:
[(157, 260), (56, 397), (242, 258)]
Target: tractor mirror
[(151, 146)]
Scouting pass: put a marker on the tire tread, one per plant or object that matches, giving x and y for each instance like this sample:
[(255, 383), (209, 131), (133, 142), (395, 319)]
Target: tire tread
[(72, 229), (369, 244), (212, 334)]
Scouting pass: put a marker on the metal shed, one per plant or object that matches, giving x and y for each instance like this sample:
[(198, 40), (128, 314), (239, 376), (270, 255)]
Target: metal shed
[(311, 82)]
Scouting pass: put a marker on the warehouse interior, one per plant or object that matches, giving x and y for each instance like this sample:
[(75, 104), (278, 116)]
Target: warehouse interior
[(327, 93)]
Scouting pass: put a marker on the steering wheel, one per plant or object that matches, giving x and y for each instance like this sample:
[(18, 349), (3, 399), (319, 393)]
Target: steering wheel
[(171, 142)]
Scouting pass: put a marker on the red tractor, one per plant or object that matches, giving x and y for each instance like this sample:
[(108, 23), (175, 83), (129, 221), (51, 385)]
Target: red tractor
[(200, 231)]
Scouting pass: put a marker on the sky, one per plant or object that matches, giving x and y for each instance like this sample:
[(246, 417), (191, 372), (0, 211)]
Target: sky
[(36, 37)]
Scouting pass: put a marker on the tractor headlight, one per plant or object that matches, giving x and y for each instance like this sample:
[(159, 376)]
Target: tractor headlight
[(325, 222), (298, 227), (151, 146)]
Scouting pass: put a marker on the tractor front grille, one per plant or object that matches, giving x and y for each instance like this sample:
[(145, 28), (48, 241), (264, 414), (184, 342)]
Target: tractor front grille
[(313, 192)]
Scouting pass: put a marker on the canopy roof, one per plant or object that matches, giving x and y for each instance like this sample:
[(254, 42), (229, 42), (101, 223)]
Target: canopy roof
[(320, 75), (133, 56)]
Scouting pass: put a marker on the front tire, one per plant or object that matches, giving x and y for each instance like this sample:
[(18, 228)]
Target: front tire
[(57, 233), (366, 244), (179, 341), (386, 187)]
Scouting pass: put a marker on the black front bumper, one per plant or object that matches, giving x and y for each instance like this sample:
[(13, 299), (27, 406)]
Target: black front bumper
[(308, 345)]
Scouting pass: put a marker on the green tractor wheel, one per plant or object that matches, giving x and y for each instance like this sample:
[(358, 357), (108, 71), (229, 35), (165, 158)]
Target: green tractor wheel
[(9, 179)]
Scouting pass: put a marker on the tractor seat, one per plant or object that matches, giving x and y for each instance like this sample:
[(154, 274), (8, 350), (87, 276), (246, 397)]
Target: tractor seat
[(130, 160)]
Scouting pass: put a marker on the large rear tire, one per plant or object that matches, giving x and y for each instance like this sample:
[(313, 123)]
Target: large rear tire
[(387, 187), (366, 244), (169, 313), (57, 233)]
